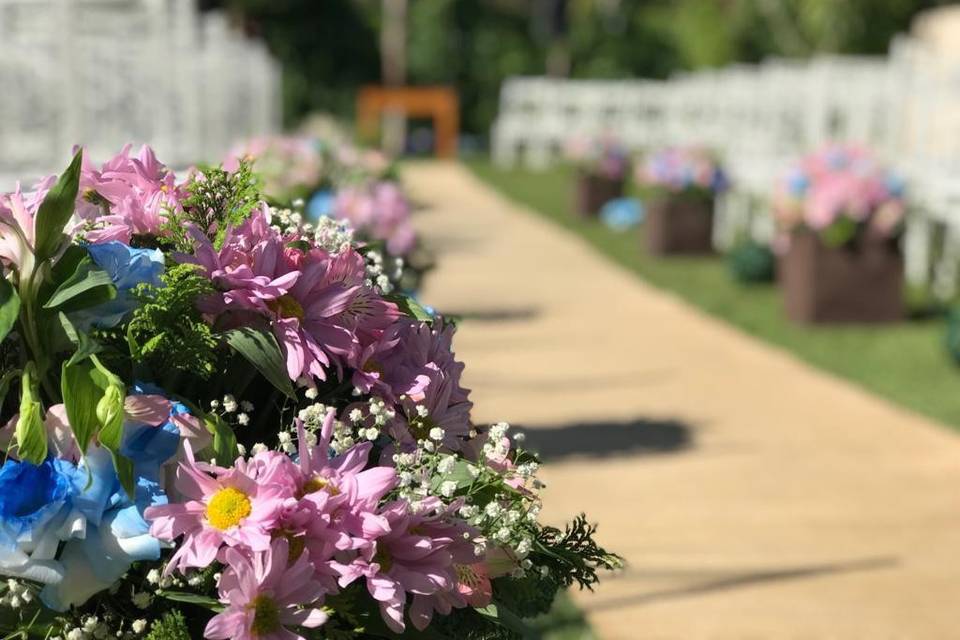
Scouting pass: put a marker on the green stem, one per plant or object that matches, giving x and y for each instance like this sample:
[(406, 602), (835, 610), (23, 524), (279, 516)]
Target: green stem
[(30, 328)]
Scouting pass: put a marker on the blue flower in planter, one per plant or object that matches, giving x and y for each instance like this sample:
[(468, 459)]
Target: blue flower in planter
[(622, 213), (321, 205)]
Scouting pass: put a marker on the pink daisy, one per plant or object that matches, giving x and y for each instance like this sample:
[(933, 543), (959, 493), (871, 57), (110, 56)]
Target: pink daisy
[(221, 506)]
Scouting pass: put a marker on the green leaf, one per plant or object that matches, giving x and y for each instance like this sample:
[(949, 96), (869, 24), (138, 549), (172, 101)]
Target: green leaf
[(9, 307), (82, 386), (89, 280), (260, 348), (56, 209), (224, 447), (31, 433), (459, 473), (86, 347), (110, 414), (496, 612), (300, 245), (93, 397), (191, 598), (840, 232), (410, 307)]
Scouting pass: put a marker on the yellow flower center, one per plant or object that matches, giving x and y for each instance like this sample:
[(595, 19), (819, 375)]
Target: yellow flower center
[(227, 508), (286, 306), (319, 483), (266, 616)]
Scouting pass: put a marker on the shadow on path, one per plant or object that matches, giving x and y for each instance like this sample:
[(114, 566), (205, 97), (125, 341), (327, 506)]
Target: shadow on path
[(603, 439), (738, 580)]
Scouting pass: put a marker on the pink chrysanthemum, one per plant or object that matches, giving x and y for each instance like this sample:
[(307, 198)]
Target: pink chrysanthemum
[(264, 594), (317, 303), (413, 553)]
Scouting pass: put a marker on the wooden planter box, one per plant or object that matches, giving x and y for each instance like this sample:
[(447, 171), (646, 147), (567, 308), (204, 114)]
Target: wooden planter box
[(593, 191), (858, 283), (679, 225)]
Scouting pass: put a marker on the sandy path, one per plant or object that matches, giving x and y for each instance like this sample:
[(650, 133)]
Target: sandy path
[(753, 496)]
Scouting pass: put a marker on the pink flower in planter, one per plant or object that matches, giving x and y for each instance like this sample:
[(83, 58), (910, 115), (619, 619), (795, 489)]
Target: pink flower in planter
[(265, 593), (839, 181), (220, 506), (378, 212)]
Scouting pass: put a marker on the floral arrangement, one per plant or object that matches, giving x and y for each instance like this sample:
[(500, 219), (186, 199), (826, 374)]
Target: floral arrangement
[(682, 170), (313, 178), (839, 192), (291, 167), (601, 156), (218, 424)]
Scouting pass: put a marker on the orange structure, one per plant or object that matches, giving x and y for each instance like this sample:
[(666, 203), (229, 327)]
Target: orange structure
[(439, 103)]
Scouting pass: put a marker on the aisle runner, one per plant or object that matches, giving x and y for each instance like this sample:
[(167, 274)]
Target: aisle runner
[(752, 495)]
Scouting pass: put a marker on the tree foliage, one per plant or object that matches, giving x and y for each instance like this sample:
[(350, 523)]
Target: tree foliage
[(330, 48)]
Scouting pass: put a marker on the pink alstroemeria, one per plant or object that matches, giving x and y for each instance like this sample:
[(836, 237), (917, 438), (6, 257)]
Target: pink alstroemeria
[(128, 196), (473, 589), (220, 506), (265, 593), (18, 210)]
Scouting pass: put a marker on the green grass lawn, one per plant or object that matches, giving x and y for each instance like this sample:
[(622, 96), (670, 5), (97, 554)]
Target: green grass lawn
[(905, 363)]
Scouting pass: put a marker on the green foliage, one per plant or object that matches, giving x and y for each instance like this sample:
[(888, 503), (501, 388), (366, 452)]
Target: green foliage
[(259, 347), (87, 286), (9, 307), (842, 231), (93, 397), (31, 435), (167, 332), (216, 200), (572, 555), (56, 209), (529, 596), (752, 263), (171, 626), (468, 624)]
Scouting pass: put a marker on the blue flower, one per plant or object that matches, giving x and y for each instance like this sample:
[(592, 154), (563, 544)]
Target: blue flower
[(117, 533), (127, 268), (797, 183), (622, 213), (150, 446), (321, 205), (36, 514)]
